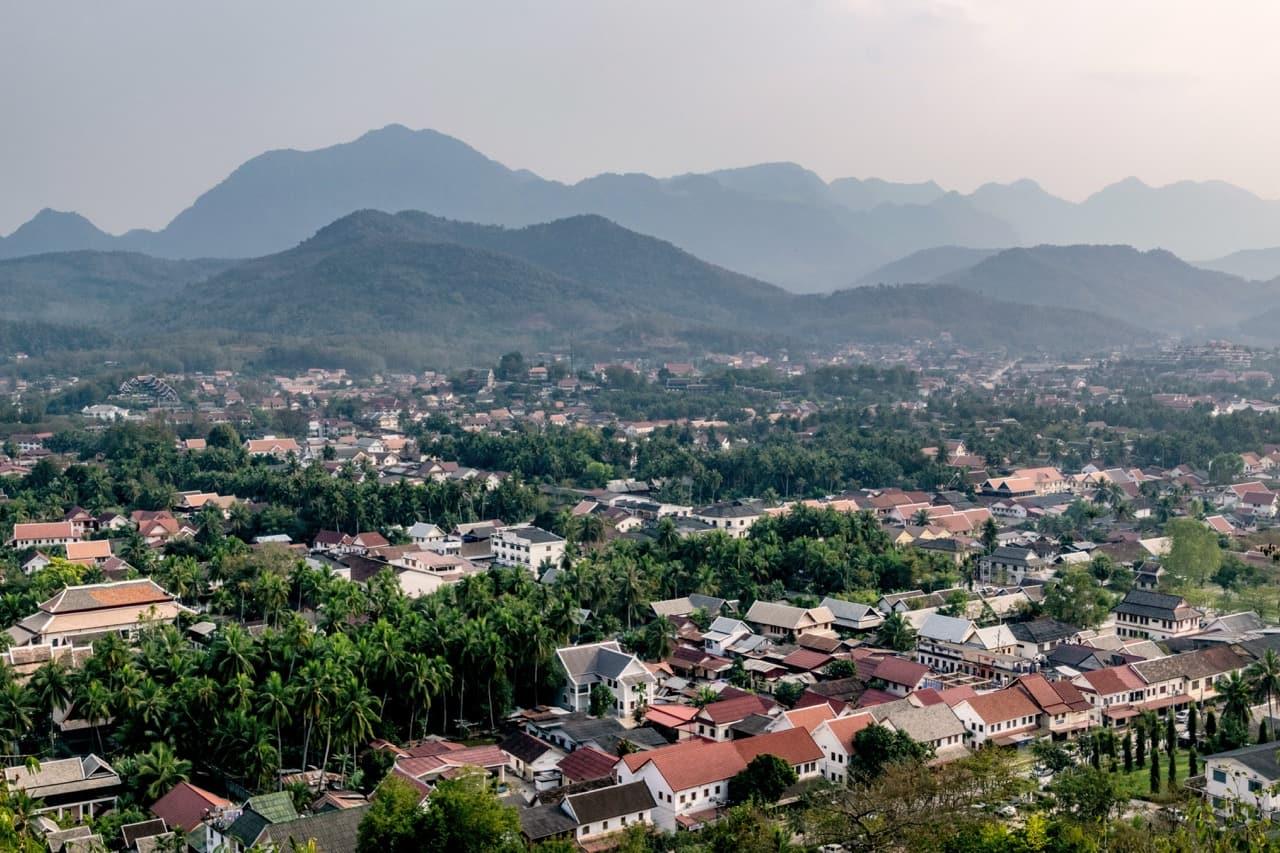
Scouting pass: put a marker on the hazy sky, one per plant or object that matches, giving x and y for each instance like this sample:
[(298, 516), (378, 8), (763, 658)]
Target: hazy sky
[(125, 111)]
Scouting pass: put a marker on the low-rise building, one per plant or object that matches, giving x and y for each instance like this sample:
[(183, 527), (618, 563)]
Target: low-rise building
[(604, 663), (527, 546), (1155, 616)]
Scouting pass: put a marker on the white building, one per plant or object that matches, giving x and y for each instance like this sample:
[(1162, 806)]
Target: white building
[(604, 663), (526, 545), (1244, 777)]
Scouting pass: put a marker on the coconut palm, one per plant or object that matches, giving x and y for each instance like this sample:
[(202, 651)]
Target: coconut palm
[(1264, 676), (275, 706), (51, 686), (159, 769), (896, 634), (93, 700), (1236, 695), (18, 710)]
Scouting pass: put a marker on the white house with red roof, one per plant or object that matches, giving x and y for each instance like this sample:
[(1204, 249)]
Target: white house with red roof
[(42, 534), (1006, 717), (690, 780), (835, 739)]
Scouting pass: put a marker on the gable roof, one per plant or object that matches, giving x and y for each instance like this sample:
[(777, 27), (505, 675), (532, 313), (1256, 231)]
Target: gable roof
[(1154, 605), (334, 831), (786, 616), (613, 801), (1001, 705), (525, 747), (697, 762), (844, 728), (587, 763), (896, 670), (1113, 679), (737, 708), (74, 599), (186, 805)]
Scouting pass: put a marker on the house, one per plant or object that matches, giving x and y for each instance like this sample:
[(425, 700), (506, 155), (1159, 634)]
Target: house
[(80, 612), (1008, 565), (73, 789), (527, 546), (428, 762), (1261, 503), (689, 781), (734, 518), (1244, 778), (587, 764), (278, 448), (604, 663), (835, 738), (1188, 677), (42, 534), (934, 724), (723, 633), (238, 830), (589, 816), (900, 676), (90, 552), (1063, 709), (185, 807), (1112, 691), (1155, 616), (716, 719), (146, 835), (1006, 717), (422, 533), (852, 616), (1041, 636), (531, 758), (774, 619)]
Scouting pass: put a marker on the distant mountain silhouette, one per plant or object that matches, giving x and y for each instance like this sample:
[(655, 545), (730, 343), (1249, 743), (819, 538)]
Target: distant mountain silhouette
[(54, 231), (927, 265), (1154, 290), (1253, 264)]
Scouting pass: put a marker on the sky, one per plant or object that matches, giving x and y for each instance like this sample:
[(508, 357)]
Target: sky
[(127, 111)]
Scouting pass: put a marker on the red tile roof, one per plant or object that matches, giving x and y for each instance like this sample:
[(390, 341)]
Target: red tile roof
[(900, 671), (186, 805), (735, 709), (698, 762), (587, 763)]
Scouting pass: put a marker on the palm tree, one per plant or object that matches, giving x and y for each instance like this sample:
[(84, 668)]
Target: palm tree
[(1236, 694), (233, 653), (18, 711), (159, 769), (51, 685), (359, 716), (93, 700), (275, 706), (1264, 676), (896, 634)]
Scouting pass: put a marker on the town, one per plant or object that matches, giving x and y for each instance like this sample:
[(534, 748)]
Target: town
[(643, 601)]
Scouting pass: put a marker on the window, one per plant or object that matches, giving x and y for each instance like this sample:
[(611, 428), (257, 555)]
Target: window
[(1254, 786), (604, 825), (1219, 776)]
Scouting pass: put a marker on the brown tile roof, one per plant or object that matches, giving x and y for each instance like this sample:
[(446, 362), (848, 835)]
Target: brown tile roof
[(587, 763), (900, 671), (43, 530), (844, 728), (1113, 679), (1007, 704), (697, 762), (737, 708)]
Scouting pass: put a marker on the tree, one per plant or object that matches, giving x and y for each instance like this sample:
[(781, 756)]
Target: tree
[(1194, 555), (1155, 773), (1191, 762), (1263, 735), (876, 746), (788, 693), (464, 815), (1173, 769), (1264, 676), (1210, 724), (990, 536), (389, 824), (1086, 794), (1077, 599), (1170, 734), (1193, 722), (1236, 695), (763, 780), (1142, 744), (1127, 746), (896, 634), (157, 770), (602, 700), (841, 668)]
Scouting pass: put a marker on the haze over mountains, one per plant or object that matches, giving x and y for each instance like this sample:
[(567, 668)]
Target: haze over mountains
[(776, 222)]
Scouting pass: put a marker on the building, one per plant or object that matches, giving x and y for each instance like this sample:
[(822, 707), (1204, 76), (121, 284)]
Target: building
[(589, 816), (42, 534), (79, 613), (279, 448), (775, 620), (1008, 565), (75, 789), (1155, 616), (604, 663), (1244, 778), (527, 546), (734, 518), (1006, 717), (835, 738), (689, 781)]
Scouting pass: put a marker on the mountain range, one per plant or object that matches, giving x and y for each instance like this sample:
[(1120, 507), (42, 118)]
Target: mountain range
[(777, 222), (413, 288)]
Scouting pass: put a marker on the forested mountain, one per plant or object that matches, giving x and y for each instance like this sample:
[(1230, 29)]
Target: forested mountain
[(1153, 290), (93, 288)]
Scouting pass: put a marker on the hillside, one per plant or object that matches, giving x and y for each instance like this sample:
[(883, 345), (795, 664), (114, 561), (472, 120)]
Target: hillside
[(932, 312), (54, 231), (93, 288), (927, 265), (1253, 264), (1153, 290)]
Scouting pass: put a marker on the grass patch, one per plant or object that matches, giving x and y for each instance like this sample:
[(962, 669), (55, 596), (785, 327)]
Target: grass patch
[(1136, 784)]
